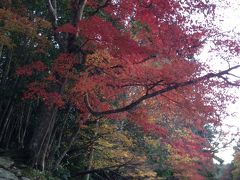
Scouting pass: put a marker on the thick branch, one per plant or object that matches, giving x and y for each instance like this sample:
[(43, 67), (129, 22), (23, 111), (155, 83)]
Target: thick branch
[(156, 93)]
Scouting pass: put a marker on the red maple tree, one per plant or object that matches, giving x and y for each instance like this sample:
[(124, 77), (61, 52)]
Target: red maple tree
[(134, 59)]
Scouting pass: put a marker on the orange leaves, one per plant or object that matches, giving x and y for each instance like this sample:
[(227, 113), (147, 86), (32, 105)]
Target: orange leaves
[(101, 58)]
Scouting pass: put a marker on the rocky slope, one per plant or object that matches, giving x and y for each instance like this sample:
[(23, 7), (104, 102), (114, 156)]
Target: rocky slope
[(9, 171)]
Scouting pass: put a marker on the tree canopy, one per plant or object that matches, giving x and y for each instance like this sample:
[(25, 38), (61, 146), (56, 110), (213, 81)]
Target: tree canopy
[(112, 88)]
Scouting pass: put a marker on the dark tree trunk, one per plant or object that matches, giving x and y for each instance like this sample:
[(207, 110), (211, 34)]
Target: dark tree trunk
[(41, 134)]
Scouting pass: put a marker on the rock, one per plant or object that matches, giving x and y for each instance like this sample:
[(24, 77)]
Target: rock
[(6, 162), (16, 171), (7, 175)]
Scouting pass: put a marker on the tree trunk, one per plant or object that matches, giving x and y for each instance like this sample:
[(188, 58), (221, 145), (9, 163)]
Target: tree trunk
[(25, 126), (67, 149), (7, 68), (43, 132), (91, 157), (4, 127), (40, 135)]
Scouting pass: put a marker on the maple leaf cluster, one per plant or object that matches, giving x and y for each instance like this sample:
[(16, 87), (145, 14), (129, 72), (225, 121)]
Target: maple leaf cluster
[(38, 90), (29, 70)]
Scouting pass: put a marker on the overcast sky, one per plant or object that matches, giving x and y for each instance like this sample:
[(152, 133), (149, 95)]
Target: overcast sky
[(228, 20)]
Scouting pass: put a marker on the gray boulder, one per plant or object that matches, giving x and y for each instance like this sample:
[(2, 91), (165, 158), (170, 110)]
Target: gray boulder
[(7, 175), (6, 162)]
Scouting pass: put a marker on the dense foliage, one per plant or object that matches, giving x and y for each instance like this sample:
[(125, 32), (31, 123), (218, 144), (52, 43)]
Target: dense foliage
[(111, 89)]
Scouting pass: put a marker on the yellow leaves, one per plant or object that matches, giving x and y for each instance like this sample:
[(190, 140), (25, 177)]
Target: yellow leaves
[(141, 171), (152, 119), (121, 154), (110, 132), (16, 23), (6, 41), (116, 147), (141, 159), (98, 57), (107, 128), (151, 142), (127, 141), (176, 158), (143, 174), (104, 143), (181, 159), (182, 133), (12, 23), (101, 58), (112, 147), (108, 156)]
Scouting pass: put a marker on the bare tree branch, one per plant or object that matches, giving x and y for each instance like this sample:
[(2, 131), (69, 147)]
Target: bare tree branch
[(233, 75), (229, 82)]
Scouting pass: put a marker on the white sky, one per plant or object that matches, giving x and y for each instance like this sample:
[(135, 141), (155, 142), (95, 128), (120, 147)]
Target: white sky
[(228, 20)]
